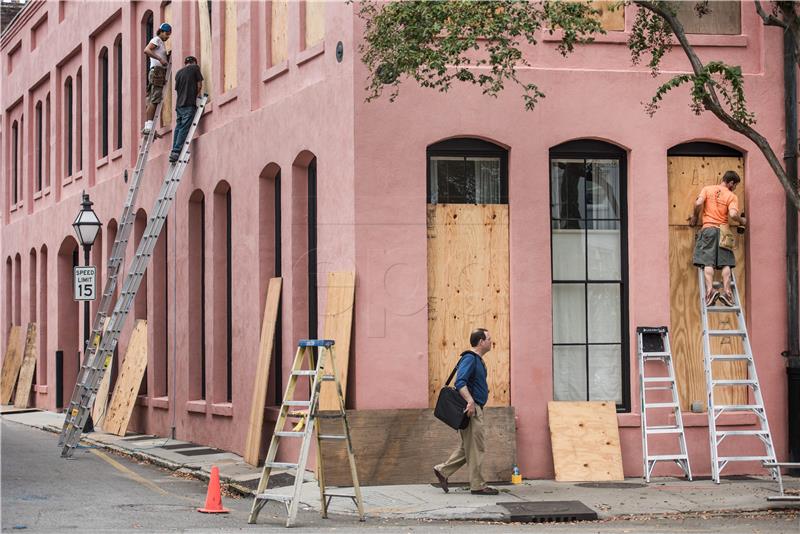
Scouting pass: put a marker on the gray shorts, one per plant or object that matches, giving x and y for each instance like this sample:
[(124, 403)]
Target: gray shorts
[(707, 251)]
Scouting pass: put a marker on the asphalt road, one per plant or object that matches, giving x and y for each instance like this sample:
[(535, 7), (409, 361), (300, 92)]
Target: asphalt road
[(98, 491)]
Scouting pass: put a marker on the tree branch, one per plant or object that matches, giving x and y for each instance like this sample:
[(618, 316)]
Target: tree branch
[(711, 102), (769, 20)]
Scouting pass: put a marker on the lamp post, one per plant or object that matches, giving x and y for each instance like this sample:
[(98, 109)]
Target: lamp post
[(86, 226)]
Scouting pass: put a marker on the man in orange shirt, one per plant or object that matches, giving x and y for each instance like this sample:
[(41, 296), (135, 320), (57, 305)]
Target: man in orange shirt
[(718, 205)]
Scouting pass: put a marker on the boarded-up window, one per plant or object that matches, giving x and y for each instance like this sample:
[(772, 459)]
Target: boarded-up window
[(204, 23), (278, 43), (230, 45), (166, 107), (314, 22), (723, 18), (612, 13)]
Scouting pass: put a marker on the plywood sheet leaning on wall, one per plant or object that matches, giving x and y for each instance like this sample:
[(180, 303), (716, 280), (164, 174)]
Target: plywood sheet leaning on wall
[(252, 445), (30, 355), (279, 42), (128, 382), (687, 176), (468, 287), (11, 364), (230, 72), (338, 325), (101, 399), (585, 441), (402, 446), (206, 58)]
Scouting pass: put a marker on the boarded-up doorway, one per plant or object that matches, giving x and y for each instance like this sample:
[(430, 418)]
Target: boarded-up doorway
[(468, 262), (687, 175)]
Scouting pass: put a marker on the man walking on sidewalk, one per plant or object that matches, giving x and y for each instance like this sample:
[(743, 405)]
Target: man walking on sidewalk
[(156, 51), (718, 204), (471, 384), (188, 85)]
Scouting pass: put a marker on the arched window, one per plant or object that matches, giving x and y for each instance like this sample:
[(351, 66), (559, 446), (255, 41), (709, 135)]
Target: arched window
[(47, 140), (467, 171), (223, 266), (68, 126), (14, 163), (197, 296), (103, 90), (147, 34), (589, 270), (118, 91), (39, 117), (79, 119)]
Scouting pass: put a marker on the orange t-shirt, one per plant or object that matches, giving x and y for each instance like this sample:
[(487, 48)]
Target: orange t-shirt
[(718, 201)]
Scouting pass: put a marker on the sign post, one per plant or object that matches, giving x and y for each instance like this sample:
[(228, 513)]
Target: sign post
[(85, 283)]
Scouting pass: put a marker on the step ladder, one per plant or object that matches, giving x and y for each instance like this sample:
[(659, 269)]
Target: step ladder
[(317, 373), (653, 344), (101, 345), (716, 437)]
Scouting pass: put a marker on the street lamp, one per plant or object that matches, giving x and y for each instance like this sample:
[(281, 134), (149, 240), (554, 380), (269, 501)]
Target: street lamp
[(86, 226)]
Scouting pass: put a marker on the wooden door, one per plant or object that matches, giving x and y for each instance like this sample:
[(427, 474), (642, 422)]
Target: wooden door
[(687, 176), (468, 287)]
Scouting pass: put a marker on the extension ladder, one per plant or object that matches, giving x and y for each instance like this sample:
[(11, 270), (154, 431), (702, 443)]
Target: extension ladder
[(102, 345), (317, 373), (653, 343), (716, 437)]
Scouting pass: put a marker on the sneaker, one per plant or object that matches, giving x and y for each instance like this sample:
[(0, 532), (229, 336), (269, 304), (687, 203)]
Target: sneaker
[(173, 158), (148, 125), (726, 299), (712, 298)]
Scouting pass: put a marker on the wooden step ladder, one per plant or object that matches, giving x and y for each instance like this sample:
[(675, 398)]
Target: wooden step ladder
[(317, 372)]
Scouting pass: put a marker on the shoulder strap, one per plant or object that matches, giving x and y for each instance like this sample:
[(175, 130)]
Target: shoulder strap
[(453, 373)]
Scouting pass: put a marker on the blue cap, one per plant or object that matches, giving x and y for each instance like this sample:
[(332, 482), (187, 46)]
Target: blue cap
[(165, 27)]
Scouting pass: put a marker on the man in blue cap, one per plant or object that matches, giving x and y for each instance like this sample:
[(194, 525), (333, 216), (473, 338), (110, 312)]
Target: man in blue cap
[(156, 51)]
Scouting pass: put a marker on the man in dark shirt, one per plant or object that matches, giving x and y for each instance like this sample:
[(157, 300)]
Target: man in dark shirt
[(188, 83), (471, 384)]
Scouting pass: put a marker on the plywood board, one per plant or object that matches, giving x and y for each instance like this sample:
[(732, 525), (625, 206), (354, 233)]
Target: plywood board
[(610, 20), (166, 107), (468, 287), (230, 71), (101, 398), (206, 58), (724, 17), (338, 325), (279, 42), (11, 364), (687, 176), (252, 445), (23, 395), (402, 446), (314, 22), (585, 441), (128, 382)]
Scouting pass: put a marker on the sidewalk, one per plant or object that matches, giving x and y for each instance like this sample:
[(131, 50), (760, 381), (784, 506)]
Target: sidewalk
[(423, 501)]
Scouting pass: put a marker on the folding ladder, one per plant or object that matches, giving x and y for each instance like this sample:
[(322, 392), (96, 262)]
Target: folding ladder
[(716, 437), (653, 343), (317, 373), (102, 344)]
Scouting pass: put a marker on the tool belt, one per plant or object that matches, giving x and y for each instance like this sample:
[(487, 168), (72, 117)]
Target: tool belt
[(158, 76), (727, 239)]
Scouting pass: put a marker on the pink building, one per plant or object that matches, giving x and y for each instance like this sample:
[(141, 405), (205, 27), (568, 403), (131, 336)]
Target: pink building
[(560, 229)]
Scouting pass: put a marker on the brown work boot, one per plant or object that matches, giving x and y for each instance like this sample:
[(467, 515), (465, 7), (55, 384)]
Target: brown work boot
[(485, 491), (442, 480)]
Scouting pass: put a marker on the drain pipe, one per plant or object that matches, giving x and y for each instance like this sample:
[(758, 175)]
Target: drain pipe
[(792, 353)]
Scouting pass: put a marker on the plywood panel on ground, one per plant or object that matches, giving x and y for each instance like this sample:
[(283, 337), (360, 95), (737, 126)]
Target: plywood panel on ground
[(101, 399), (468, 287), (687, 176), (338, 324), (11, 364), (585, 441), (128, 382), (25, 381), (402, 446), (252, 446)]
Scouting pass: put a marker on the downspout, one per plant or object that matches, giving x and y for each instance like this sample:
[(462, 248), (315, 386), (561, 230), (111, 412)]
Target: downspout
[(792, 353)]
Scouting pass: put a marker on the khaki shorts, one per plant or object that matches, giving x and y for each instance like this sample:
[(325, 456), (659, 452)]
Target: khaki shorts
[(708, 253), (155, 94)]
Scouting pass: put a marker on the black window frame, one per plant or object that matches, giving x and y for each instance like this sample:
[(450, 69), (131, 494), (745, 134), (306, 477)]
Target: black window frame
[(15, 163), (118, 91), (68, 97), (229, 293), (103, 68), (39, 119), (593, 149), (468, 147)]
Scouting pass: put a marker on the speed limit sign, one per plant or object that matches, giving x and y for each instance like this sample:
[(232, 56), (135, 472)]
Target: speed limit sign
[(85, 283)]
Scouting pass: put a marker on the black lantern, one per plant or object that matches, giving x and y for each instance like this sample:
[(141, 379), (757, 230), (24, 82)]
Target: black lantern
[(86, 224)]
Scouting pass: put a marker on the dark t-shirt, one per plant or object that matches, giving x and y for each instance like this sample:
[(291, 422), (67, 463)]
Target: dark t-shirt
[(186, 85)]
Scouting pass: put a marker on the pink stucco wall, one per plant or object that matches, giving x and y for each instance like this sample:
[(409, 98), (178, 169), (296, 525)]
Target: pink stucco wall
[(371, 203)]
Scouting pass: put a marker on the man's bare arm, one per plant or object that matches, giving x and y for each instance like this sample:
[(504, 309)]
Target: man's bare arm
[(698, 207), (150, 51), (470, 410), (736, 217)]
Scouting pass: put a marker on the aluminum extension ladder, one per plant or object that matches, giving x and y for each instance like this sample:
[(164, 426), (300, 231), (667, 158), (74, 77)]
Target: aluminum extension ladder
[(102, 343), (653, 343), (317, 372), (716, 437)]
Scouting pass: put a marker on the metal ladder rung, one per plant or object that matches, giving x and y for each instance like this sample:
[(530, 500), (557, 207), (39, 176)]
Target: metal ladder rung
[(661, 405), (741, 432), (304, 372), (735, 382), (662, 457), (744, 458), (656, 355), (724, 309), (333, 436), (303, 403), (730, 357), (652, 379), (280, 465), (727, 333), (664, 430), (274, 497), (659, 388), (289, 434), (738, 407)]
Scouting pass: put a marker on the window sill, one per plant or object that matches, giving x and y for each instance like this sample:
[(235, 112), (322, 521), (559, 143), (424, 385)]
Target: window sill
[(224, 409), (726, 419), (116, 154), (77, 176), (275, 71), (40, 389), (227, 97), (196, 406), (162, 403), (47, 190), (621, 38), (209, 107), (310, 53), (37, 195), (102, 161), (629, 420), (142, 400)]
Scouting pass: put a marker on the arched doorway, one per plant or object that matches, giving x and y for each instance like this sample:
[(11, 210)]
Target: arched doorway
[(69, 343), (468, 261), (690, 167)]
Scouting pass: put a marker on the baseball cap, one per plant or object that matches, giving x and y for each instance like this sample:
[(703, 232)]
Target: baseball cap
[(165, 27)]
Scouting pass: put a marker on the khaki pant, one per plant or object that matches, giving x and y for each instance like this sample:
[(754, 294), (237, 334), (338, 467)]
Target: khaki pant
[(470, 452)]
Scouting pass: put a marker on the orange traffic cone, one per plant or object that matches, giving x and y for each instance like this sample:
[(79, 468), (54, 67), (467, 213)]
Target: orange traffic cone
[(213, 497)]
